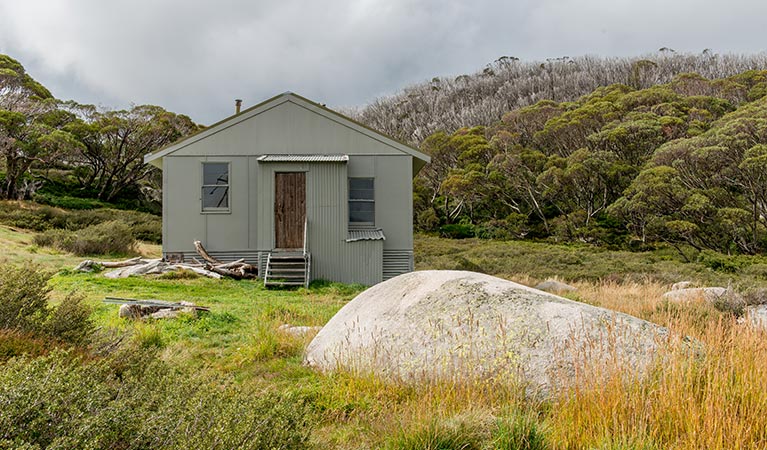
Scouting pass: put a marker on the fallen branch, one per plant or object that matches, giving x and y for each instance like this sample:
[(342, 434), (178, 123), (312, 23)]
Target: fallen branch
[(127, 262), (231, 264), (212, 267), (204, 253), (242, 272), (90, 265), (155, 303)]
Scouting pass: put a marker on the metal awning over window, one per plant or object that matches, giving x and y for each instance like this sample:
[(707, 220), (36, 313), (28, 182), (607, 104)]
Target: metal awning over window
[(304, 158), (365, 235)]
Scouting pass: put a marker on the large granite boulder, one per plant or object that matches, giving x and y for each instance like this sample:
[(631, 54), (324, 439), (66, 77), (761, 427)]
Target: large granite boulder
[(453, 324)]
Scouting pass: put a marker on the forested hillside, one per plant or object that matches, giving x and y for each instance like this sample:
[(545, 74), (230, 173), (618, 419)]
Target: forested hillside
[(65, 152), (683, 162), (447, 103), (620, 152)]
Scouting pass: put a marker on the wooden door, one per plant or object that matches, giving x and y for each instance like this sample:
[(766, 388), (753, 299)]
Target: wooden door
[(289, 209)]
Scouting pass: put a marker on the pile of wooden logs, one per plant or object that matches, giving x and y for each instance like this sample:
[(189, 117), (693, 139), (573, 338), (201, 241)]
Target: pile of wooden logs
[(131, 308), (209, 266)]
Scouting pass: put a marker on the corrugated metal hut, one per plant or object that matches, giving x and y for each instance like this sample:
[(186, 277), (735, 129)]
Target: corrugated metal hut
[(296, 188)]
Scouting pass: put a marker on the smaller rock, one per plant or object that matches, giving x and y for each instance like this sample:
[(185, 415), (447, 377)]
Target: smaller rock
[(555, 286), (681, 285), (708, 294), (88, 265), (756, 316), (129, 312), (166, 313), (298, 330)]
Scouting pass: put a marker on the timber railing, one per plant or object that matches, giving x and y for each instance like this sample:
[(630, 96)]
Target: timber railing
[(307, 255)]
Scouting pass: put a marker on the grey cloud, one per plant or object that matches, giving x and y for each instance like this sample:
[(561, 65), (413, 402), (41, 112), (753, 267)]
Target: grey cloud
[(196, 57)]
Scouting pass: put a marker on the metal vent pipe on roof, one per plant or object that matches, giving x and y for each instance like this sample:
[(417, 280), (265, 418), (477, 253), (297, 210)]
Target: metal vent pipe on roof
[(237, 106)]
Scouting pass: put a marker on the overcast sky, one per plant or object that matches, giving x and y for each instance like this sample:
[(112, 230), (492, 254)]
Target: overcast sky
[(196, 57)]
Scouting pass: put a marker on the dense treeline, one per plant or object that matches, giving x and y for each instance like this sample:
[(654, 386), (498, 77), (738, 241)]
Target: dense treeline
[(683, 163), (447, 104), (72, 150)]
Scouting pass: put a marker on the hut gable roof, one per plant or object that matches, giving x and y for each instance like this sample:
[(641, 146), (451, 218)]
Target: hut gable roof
[(285, 100)]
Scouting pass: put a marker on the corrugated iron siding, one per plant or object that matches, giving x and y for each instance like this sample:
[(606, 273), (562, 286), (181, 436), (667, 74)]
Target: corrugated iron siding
[(365, 235), (332, 257), (396, 262), (251, 256)]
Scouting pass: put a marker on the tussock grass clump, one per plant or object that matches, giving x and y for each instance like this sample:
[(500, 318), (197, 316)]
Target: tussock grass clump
[(148, 336), (107, 238), (440, 435)]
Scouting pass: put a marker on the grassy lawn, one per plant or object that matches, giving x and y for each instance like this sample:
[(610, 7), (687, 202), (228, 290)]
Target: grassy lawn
[(533, 262), (240, 340)]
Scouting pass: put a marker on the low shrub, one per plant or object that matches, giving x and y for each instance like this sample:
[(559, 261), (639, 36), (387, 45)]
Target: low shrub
[(24, 307), (70, 320), (145, 227), (68, 202), (15, 343), (133, 400), (456, 231), (731, 303), (105, 238), (18, 215), (23, 299), (719, 262)]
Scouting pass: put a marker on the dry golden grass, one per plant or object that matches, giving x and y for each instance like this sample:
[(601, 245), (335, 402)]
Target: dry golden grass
[(710, 394), (708, 390)]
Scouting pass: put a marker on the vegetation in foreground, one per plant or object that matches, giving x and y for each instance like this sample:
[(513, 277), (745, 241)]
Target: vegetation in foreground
[(231, 378)]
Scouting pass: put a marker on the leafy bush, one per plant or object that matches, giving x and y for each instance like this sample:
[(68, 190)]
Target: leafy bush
[(24, 307), (146, 227), (15, 343), (23, 299), (133, 400), (719, 262), (68, 202), (456, 231), (70, 321), (113, 237), (17, 215)]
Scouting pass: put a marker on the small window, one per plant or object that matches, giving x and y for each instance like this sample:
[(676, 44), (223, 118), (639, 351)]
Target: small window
[(362, 209), (215, 186)]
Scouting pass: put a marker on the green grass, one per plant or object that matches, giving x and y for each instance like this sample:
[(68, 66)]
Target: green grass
[(239, 335), (512, 259), (239, 339)]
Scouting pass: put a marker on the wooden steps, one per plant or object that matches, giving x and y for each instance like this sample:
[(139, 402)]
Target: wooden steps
[(287, 269)]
